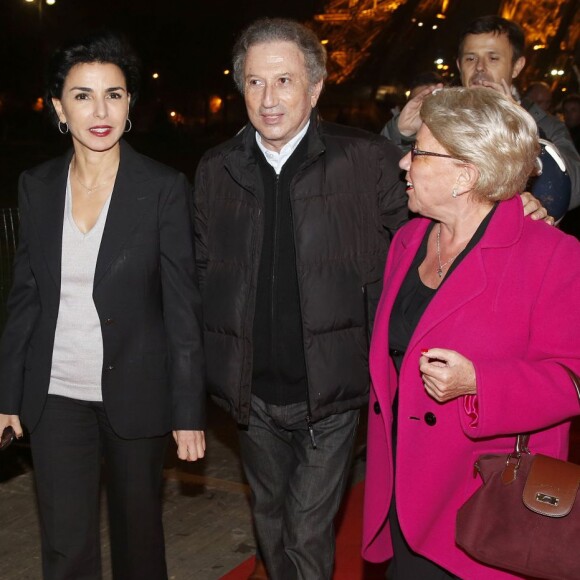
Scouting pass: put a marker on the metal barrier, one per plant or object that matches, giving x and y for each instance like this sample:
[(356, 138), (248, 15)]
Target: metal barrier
[(8, 241)]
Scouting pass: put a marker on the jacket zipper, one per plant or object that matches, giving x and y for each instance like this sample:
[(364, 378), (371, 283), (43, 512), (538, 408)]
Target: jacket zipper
[(272, 309), (309, 424), (273, 271)]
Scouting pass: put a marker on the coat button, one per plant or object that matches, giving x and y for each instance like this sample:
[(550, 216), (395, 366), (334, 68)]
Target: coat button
[(430, 419), (110, 367), (109, 321), (377, 408)]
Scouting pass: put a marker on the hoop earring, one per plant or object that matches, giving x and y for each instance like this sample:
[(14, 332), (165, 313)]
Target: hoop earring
[(60, 123), (130, 125)]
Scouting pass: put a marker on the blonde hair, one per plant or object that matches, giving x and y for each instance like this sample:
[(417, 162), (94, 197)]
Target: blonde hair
[(486, 129)]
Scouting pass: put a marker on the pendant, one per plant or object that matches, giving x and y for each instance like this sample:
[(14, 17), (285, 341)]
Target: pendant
[(440, 272)]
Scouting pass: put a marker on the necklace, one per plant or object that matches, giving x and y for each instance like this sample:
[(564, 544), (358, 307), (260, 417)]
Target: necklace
[(445, 264), (89, 189)]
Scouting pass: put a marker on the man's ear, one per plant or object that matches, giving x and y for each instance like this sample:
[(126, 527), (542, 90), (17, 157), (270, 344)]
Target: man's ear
[(518, 66), (458, 65), (315, 91)]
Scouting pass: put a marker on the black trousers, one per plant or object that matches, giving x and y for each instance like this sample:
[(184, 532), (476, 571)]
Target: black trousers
[(68, 446), (406, 564)]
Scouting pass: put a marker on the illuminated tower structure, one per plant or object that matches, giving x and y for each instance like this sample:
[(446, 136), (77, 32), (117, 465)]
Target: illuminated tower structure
[(397, 38)]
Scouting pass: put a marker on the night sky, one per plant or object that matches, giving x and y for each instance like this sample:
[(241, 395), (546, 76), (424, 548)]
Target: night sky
[(187, 41)]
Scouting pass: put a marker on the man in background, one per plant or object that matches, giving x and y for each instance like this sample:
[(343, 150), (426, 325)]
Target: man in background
[(491, 54), (571, 112), (539, 93)]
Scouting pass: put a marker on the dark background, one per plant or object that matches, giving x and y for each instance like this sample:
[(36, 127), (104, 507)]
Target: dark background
[(188, 43)]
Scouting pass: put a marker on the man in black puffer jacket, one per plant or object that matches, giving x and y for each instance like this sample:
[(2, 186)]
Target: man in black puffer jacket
[(293, 222)]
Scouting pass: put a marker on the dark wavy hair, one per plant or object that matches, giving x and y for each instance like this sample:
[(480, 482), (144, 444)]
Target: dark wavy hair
[(102, 47), (496, 25)]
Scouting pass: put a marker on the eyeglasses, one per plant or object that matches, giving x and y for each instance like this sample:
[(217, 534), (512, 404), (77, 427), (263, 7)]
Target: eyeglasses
[(418, 153)]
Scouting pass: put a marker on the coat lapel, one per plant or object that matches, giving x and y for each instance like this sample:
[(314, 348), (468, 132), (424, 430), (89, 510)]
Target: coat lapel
[(467, 282), (133, 187), (392, 283), (470, 278), (47, 197), (240, 162)]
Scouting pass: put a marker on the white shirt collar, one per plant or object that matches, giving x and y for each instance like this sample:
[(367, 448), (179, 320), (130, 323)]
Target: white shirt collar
[(277, 159)]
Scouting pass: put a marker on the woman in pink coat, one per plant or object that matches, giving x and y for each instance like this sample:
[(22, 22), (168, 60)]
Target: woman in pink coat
[(479, 306)]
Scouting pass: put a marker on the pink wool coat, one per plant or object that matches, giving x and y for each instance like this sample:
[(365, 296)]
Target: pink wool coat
[(512, 307)]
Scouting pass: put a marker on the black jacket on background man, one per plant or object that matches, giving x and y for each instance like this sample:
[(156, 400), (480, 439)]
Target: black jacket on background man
[(346, 198)]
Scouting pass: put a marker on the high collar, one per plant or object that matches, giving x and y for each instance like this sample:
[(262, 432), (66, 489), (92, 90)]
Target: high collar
[(240, 153), (504, 230)]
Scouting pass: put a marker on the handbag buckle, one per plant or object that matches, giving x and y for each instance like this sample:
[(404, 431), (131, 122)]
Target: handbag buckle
[(512, 465)]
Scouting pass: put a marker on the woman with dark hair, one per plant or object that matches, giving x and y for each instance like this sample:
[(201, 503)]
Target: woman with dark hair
[(101, 355)]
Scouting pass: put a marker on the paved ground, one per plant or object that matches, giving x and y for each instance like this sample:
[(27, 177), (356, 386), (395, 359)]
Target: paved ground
[(206, 513), (207, 519)]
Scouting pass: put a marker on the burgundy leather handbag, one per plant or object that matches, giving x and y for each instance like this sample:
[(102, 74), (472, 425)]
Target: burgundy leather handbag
[(526, 516)]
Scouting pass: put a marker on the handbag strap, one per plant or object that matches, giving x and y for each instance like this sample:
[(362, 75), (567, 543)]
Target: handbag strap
[(575, 378), (523, 439)]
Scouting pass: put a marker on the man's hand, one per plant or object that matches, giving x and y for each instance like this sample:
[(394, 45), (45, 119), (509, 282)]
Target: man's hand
[(535, 209), (190, 444), (409, 119), (11, 421), (501, 87)]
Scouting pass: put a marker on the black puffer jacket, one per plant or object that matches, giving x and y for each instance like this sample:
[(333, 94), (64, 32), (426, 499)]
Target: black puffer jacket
[(346, 199)]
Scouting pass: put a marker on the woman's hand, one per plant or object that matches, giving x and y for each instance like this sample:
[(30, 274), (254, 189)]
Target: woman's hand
[(11, 421), (446, 374), (190, 444)]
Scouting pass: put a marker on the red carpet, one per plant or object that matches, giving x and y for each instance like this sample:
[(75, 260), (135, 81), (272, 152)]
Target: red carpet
[(348, 563)]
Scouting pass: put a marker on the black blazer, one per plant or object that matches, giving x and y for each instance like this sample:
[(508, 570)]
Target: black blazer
[(145, 293)]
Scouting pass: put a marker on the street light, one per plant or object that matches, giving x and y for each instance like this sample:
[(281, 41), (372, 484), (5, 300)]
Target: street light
[(40, 4)]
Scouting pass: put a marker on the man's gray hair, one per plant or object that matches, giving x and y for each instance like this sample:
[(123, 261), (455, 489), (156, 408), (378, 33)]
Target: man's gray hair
[(280, 30)]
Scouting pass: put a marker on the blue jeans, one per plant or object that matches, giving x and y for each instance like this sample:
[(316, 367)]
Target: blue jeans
[(296, 490)]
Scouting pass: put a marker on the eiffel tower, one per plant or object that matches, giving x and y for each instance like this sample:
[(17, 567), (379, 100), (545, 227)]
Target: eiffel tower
[(386, 40)]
